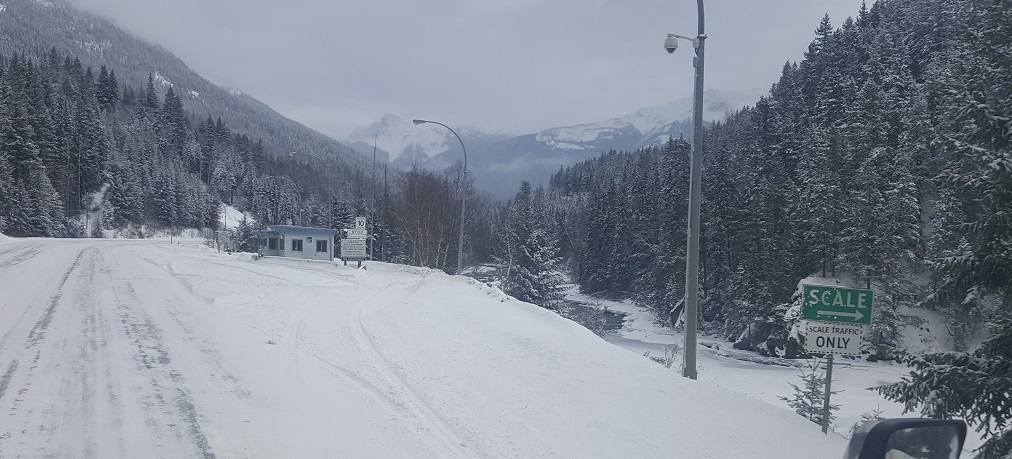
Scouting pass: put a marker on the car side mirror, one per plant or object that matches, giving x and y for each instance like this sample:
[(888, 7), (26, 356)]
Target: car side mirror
[(908, 439)]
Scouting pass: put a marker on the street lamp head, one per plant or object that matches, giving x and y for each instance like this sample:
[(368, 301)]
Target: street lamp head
[(417, 122), (671, 43)]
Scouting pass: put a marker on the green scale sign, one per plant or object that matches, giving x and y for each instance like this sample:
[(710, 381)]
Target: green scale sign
[(837, 304)]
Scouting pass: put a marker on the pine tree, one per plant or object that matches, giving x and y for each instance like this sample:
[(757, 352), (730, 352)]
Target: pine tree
[(527, 261), (809, 401), (150, 100), (244, 236)]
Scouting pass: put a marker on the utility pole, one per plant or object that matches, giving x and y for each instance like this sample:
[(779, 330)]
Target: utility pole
[(695, 192), (372, 208), (383, 235)]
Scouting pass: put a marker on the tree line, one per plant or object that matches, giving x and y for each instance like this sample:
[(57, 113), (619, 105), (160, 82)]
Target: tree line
[(882, 159)]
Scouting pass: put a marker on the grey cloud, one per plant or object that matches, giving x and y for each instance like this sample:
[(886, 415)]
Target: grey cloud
[(521, 65)]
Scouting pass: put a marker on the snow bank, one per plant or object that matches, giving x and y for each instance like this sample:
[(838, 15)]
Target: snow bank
[(722, 366), (521, 381)]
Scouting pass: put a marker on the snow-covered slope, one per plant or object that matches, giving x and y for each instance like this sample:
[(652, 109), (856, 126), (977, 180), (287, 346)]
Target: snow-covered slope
[(116, 348)]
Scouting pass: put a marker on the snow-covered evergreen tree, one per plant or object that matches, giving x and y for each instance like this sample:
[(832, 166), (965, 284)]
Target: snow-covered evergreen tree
[(245, 241), (527, 259), (809, 401)]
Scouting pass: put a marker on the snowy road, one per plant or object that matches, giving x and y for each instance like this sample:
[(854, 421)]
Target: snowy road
[(106, 352), (113, 348)]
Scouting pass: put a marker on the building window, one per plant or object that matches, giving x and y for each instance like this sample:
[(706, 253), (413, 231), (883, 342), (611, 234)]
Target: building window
[(296, 245), (321, 246), (272, 243), (263, 243)]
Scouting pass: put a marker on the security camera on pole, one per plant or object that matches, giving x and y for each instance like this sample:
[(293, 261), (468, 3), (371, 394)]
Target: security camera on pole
[(695, 190)]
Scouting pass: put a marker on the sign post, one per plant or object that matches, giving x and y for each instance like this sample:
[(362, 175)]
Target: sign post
[(825, 400), (353, 246), (837, 316)]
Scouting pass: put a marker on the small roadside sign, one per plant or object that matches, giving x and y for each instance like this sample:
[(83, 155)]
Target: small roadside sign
[(360, 223), (356, 233), (353, 249), (837, 304), (833, 338)]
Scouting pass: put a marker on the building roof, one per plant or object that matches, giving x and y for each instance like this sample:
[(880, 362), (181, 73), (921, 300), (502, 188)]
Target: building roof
[(286, 229)]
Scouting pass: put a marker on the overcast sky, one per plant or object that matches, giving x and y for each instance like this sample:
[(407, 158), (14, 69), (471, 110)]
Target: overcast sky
[(513, 65)]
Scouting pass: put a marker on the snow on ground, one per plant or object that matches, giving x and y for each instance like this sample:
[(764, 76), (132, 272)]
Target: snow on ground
[(722, 366), (4, 238), (119, 348)]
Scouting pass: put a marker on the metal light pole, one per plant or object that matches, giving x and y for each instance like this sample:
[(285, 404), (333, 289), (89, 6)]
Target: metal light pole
[(463, 194), (695, 192)]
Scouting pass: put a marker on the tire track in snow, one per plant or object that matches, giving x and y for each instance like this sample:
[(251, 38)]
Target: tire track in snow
[(5, 380), (38, 332), (293, 334), (24, 255), (422, 410), (47, 317), (45, 420), (152, 357)]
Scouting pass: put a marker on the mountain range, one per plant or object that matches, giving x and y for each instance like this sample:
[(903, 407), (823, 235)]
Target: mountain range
[(500, 160)]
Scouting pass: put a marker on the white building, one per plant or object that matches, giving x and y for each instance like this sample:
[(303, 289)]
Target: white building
[(297, 242)]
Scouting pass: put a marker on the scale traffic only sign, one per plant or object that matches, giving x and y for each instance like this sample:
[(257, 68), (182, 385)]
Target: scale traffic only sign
[(837, 304), (833, 338)]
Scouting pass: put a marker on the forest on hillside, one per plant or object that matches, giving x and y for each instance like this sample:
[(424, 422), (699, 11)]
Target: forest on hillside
[(79, 148), (82, 155), (883, 158)]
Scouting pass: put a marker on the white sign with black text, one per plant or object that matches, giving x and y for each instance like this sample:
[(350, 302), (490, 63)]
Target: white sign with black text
[(352, 249), (833, 338)]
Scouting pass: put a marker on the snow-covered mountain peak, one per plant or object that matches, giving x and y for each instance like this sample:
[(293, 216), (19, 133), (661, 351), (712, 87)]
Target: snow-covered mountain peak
[(649, 123), (398, 137), (401, 138)]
